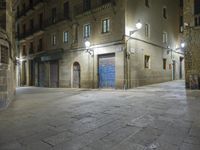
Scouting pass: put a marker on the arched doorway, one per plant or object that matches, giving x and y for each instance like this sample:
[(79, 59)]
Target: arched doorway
[(76, 75)]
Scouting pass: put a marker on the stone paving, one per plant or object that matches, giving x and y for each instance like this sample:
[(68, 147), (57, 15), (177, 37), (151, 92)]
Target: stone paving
[(156, 117)]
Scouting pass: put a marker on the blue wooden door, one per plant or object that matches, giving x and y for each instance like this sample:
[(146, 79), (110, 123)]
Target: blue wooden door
[(106, 70)]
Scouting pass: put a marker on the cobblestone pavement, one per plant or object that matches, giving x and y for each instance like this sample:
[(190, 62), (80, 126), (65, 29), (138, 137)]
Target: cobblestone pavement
[(156, 117)]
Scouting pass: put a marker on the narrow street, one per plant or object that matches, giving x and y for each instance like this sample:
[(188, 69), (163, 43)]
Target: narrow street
[(156, 117)]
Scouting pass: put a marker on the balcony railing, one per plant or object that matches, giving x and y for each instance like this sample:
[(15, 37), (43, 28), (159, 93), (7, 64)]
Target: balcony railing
[(37, 2), (30, 32), (28, 8), (79, 9), (197, 20), (56, 19)]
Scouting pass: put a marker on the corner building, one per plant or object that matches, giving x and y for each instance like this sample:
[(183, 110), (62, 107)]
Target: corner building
[(191, 36), (51, 38), (7, 55)]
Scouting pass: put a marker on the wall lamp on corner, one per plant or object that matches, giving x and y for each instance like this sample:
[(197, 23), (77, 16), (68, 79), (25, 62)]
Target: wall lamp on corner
[(88, 48)]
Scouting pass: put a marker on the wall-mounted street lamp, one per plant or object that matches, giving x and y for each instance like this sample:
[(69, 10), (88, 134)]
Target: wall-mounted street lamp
[(87, 44), (127, 53), (88, 48), (183, 45), (91, 52), (138, 26)]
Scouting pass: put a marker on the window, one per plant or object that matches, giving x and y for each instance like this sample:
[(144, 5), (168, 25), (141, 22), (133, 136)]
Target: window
[(105, 1), (24, 29), (181, 24), (53, 13), (86, 31), (23, 7), (164, 37), (197, 12), (2, 4), (41, 20), (147, 30), (40, 46), (164, 64), (65, 37), (31, 24), (165, 13), (181, 3), (31, 3), (147, 61), (196, 7), (17, 11), (105, 25), (66, 9), (53, 39), (4, 54), (18, 31), (24, 50), (86, 5), (147, 3), (31, 48)]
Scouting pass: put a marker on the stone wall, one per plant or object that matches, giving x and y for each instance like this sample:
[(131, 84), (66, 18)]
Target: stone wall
[(7, 67), (192, 54)]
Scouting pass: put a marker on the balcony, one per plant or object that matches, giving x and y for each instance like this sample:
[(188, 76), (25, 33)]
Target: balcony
[(36, 4), (38, 30), (30, 33), (31, 51), (55, 20), (197, 20), (97, 7), (23, 36)]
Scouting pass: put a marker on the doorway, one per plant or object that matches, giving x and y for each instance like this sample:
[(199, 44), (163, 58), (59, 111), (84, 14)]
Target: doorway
[(106, 71), (76, 75)]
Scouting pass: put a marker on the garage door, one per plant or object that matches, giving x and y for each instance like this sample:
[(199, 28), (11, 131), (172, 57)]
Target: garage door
[(54, 74), (41, 74), (106, 70)]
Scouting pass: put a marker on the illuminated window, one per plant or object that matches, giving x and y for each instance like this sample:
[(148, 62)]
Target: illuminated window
[(106, 25), (86, 31), (165, 38), (53, 39), (65, 37)]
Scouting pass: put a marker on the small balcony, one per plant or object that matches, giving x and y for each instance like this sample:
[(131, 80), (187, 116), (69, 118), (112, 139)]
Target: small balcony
[(31, 51), (55, 20), (197, 20), (79, 9), (38, 29), (25, 35), (37, 3), (30, 33)]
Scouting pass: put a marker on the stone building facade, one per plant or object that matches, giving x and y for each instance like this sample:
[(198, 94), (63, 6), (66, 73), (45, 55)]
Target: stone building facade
[(51, 38), (7, 66), (192, 37)]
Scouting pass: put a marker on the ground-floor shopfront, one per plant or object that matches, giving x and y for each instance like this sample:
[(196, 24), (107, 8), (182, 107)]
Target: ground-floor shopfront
[(106, 66)]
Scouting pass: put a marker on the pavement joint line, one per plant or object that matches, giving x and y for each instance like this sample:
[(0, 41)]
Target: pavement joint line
[(47, 143)]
